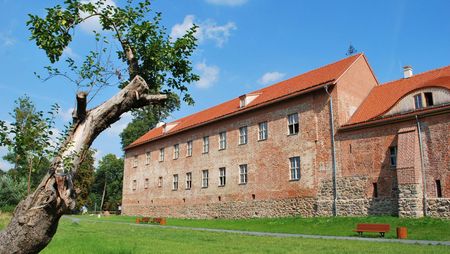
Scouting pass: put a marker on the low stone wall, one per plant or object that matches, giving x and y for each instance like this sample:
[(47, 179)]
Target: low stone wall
[(438, 207)]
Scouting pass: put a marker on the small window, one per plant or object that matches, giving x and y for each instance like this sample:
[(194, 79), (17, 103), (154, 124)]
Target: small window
[(134, 185), (146, 183), (161, 154), (205, 176), (176, 151), (418, 101), (375, 190), (222, 140), (262, 131), (243, 174), (243, 135), (438, 189), (429, 99), (293, 123), (135, 161), (160, 181), (189, 148), (295, 168), (222, 176), (205, 144), (147, 158), (175, 182), (393, 156), (188, 181)]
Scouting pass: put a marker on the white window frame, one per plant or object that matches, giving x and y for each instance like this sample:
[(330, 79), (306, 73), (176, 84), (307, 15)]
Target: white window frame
[(223, 140), (222, 176), (294, 163), (206, 144), (161, 154), (176, 151), (262, 131), (205, 178), (292, 123), (418, 101), (148, 158), (243, 174), (175, 182), (188, 180), (189, 148), (243, 135)]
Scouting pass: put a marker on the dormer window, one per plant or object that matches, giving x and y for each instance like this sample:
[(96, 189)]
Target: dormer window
[(429, 98), (242, 101), (418, 101)]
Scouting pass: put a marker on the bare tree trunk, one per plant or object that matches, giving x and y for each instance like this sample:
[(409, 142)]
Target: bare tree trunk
[(36, 218), (103, 196)]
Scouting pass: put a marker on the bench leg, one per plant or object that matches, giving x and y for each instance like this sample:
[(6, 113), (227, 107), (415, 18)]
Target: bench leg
[(360, 234), (382, 234)]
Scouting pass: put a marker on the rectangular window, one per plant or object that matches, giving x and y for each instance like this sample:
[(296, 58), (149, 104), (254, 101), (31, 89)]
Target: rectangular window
[(293, 123), (134, 185), (135, 161), (189, 148), (243, 135), (222, 176), (188, 181), (147, 158), (222, 140), (205, 176), (429, 98), (205, 144), (176, 151), (161, 154), (243, 174), (375, 190), (160, 181), (438, 189), (418, 101), (393, 156), (175, 182), (295, 168), (146, 183), (262, 131)]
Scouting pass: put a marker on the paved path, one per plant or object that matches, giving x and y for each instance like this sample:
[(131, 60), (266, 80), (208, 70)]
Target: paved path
[(253, 233)]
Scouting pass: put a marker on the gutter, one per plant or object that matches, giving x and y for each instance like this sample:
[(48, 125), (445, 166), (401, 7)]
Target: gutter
[(424, 179), (333, 146)]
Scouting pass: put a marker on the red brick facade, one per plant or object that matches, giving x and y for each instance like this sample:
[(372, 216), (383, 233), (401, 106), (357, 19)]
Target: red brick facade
[(366, 183)]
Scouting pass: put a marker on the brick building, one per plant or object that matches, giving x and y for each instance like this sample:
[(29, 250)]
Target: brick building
[(329, 141)]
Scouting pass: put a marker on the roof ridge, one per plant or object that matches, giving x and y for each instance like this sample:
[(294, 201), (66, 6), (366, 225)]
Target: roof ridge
[(416, 75)]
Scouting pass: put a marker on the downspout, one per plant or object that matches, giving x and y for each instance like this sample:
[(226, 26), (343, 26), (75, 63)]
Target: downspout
[(424, 179), (333, 146)]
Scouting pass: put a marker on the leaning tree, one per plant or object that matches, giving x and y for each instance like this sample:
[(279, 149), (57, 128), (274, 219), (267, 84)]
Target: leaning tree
[(157, 69)]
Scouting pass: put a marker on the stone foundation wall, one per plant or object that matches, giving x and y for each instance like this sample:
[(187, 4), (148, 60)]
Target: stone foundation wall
[(438, 207)]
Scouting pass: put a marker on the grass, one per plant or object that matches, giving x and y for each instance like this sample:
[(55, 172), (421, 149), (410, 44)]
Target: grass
[(82, 236), (419, 229), (4, 219)]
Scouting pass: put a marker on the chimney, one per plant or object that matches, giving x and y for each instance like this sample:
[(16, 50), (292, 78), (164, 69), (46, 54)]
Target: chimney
[(160, 124), (242, 101), (407, 71)]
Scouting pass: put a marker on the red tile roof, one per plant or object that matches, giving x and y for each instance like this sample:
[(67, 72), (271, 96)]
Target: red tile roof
[(383, 97), (308, 80)]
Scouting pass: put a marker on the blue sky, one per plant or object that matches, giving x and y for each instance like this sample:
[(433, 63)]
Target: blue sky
[(243, 46)]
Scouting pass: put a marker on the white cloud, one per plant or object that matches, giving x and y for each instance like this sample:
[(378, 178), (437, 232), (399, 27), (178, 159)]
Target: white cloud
[(7, 40), (93, 23), (66, 115), (68, 51), (209, 74), (207, 30), (4, 165), (227, 2), (116, 128), (271, 77), (97, 157)]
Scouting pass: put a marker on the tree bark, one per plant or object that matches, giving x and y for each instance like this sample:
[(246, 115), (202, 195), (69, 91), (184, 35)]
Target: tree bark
[(36, 218)]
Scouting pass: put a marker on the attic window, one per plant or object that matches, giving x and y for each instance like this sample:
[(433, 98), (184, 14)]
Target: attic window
[(242, 101), (428, 99), (418, 101)]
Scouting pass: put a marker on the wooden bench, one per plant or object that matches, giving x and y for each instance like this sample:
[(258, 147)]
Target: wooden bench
[(146, 220), (374, 228)]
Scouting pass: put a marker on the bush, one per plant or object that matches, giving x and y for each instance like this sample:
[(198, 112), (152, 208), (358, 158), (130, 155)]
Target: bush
[(11, 191)]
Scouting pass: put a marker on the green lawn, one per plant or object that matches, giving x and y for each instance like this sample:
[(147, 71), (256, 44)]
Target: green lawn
[(98, 237), (423, 228)]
